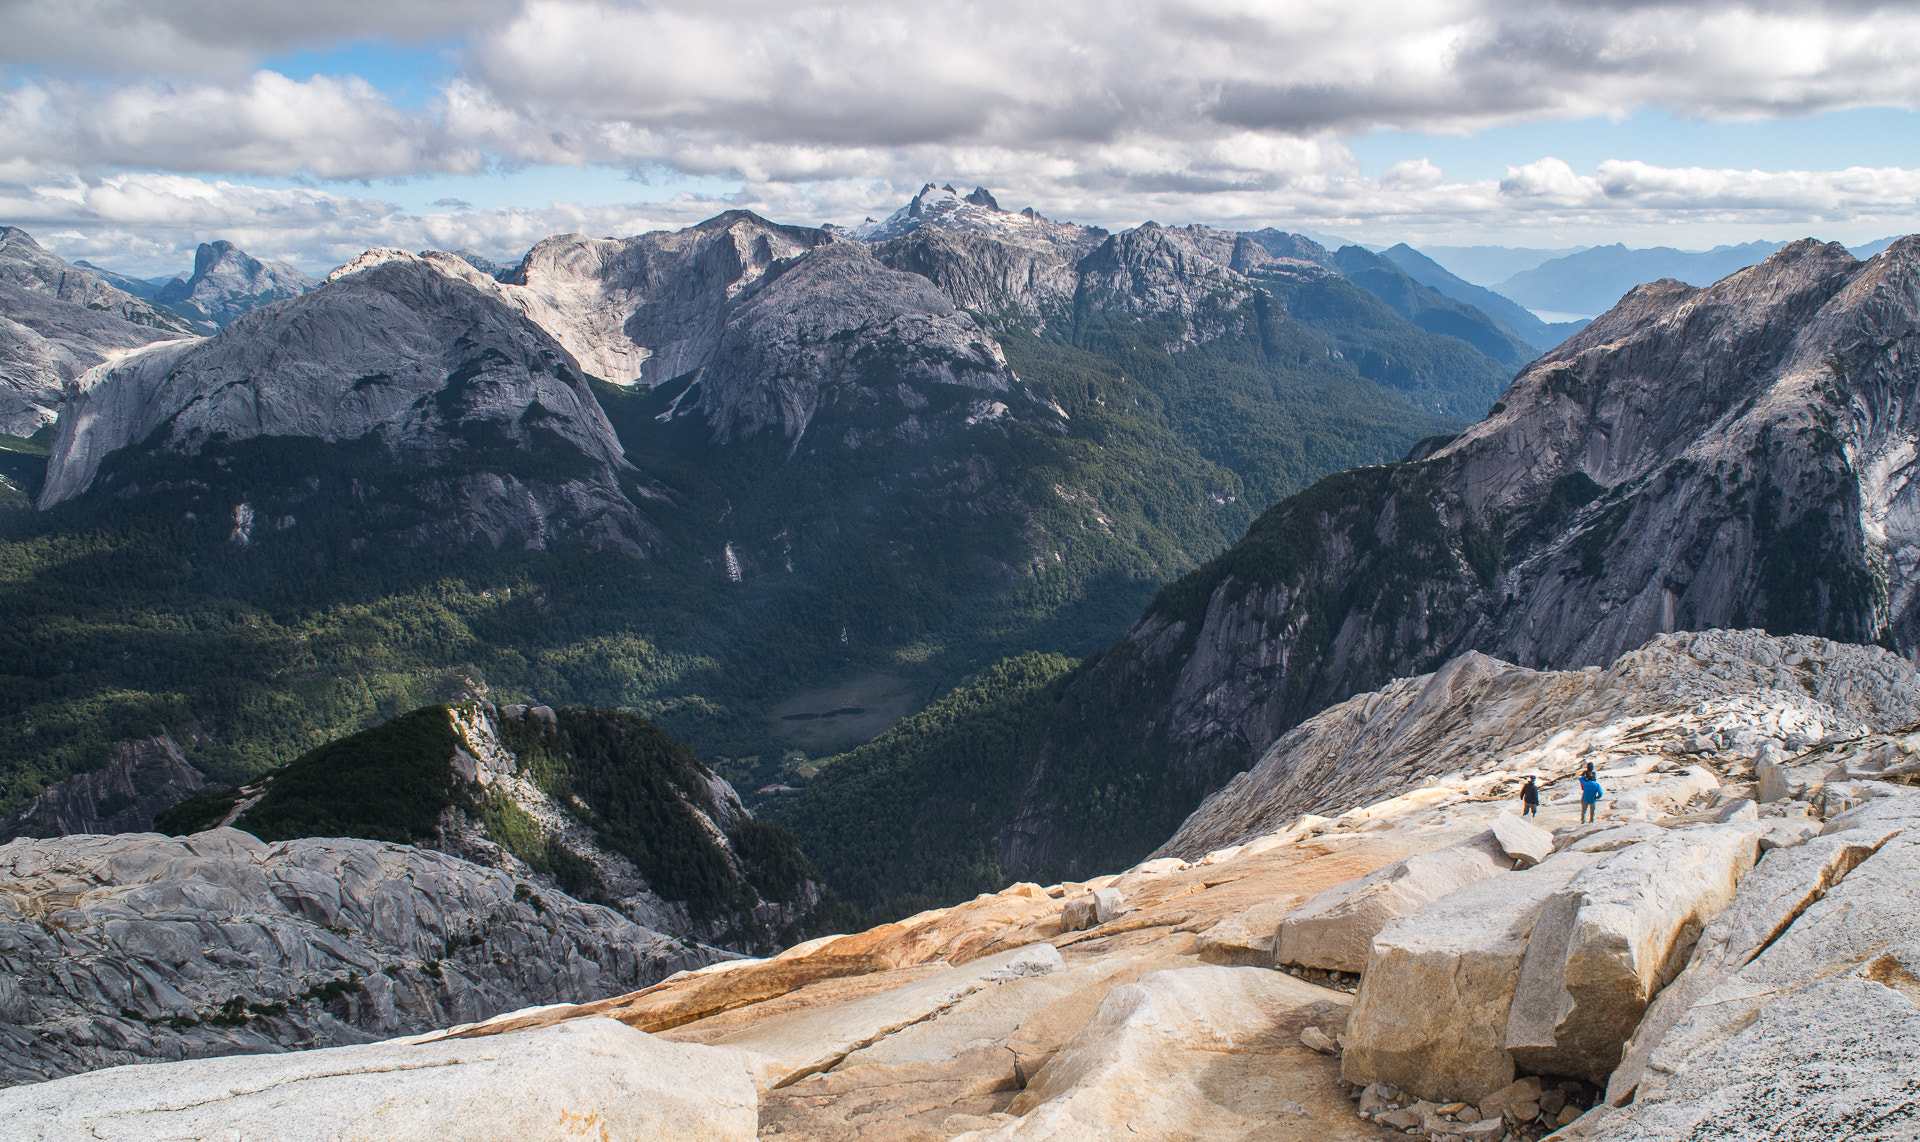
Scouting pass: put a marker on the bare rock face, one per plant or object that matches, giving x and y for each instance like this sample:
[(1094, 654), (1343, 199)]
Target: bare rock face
[(1188, 271), (985, 259), (780, 360), (145, 776), (537, 1087), (423, 361), (1128, 1071), (1695, 458), (1006, 264), (1863, 927), (1796, 1018), (654, 307), (1785, 884), (24, 265), (762, 326), (227, 282), (56, 322), (1834, 1060), (140, 947)]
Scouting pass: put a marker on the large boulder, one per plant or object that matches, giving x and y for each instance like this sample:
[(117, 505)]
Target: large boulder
[(1617, 934), (1525, 842), (1245, 940), (1784, 884), (1199, 1052), (1335, 929), (1867, 926), (1090, 910), (592, 1078), (1835, 1060), (1431, 1013), (1663, 798)]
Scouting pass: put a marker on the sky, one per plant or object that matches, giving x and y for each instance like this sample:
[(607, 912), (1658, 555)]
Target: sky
[(132, 130)]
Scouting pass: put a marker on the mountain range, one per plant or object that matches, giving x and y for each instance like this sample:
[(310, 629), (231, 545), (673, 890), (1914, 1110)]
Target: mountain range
[(724, 474), (1729, 456), (1579, 280), (306, 635), (704, 474), (1592, 280), (1516, 317)]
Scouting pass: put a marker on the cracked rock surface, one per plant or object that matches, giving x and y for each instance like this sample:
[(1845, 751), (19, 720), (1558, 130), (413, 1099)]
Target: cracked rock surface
[(141, 947)]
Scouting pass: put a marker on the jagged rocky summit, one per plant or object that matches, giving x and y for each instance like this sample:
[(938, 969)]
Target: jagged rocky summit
[(1725, 952), (56, 322), (750, 325)]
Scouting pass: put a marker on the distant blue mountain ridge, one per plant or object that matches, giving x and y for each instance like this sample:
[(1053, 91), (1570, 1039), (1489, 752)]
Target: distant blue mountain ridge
[(1591, 281), (1515, 318)]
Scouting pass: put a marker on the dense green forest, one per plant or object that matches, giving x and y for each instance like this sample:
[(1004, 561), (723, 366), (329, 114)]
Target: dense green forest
[(944, 781), (927, 561), (1044, 770)]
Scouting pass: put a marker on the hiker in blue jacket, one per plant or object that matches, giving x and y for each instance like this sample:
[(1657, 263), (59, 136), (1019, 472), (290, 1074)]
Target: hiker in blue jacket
[(1589, 795)]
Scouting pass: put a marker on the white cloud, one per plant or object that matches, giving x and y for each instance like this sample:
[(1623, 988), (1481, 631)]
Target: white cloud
[(149, 223), (1107, 111), (268, 124), (217, 38), (808, 90)]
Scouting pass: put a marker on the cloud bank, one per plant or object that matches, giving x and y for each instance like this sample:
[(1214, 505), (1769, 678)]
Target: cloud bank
[(1230, 111)]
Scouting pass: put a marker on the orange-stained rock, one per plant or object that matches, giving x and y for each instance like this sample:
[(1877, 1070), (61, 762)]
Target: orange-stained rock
[(689, 998), (827, 992)]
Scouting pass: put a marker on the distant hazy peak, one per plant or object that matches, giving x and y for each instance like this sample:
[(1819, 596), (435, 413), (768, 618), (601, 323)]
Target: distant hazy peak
[(1592, 280), (484, 264), (227, 282), (138, 287), (59, 321)]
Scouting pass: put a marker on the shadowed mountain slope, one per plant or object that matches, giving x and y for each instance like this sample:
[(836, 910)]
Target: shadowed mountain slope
[(1723, 457)]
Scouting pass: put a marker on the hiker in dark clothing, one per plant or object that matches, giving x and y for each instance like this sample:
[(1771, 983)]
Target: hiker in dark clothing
[(1529, 799), (1589, 796)]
